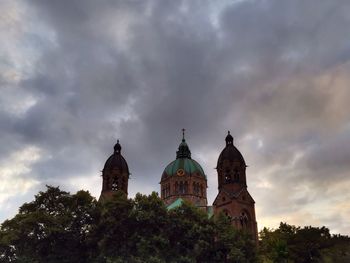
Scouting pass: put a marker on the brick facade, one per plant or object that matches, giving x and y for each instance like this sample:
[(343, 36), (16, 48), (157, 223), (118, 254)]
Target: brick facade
[(190, 187), (185, 179)]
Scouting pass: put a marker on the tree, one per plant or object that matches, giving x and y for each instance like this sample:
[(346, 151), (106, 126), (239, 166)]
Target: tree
[(233, 245), (132, 230), (52, 228), (149, 241), (273, 246), (111, 232), (191, 234), (308, 244)]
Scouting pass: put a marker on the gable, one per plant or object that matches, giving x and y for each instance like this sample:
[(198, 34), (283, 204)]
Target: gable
[(244, 196), (225, 197), (222, 198)]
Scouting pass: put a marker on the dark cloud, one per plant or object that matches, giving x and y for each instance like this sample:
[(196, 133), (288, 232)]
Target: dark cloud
[(275, 73)]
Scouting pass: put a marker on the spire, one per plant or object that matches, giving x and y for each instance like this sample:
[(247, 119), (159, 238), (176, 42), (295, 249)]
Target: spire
[(229, 139), (117, 148), (184, 151)]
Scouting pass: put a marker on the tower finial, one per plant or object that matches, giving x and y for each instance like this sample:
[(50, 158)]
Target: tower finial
[(117, 147), (229, 139), (184, 151)]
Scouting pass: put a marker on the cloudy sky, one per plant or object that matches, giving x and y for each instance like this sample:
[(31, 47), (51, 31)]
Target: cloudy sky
[(75, 76)]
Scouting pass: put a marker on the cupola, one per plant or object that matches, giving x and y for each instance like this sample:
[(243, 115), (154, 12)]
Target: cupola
[(183, 162), (115, 174), (230, 152), (116, 161)]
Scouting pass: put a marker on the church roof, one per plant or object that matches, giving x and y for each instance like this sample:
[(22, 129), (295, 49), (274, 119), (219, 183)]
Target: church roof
[(183, 164), (178, 202), (230, 152), (189, 166), (116, 161), (210, 211)]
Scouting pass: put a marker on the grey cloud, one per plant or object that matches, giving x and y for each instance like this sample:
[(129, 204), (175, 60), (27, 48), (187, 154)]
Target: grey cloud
[(141, 71)]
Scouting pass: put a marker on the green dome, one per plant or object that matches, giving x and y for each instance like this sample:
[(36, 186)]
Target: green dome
[(183, 165), (189, 166)]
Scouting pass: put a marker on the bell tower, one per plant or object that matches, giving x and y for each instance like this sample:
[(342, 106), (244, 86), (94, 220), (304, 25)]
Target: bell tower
[(115, 174), (231, 167), (233, 198)]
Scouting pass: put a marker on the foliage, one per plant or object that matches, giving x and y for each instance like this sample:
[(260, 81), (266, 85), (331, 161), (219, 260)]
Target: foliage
[(143, 230), (308, 244), (60, 227), (233, 245), (52, 228)]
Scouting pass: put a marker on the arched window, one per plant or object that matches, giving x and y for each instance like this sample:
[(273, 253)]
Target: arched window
[(167, 190), (227, 214), (115, 185), (196, 189), (244, 219), (182, 188), (186, 187), (176, 187), (227, 177), (202, 192)]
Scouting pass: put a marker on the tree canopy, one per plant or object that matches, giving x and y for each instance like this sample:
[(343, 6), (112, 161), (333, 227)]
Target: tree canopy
[(60, 227), (289, 243)]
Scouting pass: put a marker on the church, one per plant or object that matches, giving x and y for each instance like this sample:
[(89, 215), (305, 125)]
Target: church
[(185, 179)]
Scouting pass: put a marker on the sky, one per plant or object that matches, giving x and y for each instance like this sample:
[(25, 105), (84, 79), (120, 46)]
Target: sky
[(75, 76)]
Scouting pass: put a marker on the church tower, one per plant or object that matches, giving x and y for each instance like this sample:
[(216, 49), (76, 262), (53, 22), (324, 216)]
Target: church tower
[(115, 174), (184, 179), (233, 198)]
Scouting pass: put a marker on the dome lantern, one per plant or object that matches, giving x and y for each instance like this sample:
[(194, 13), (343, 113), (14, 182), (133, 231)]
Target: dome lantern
[(229, 139), (184, 150), (117, 147)]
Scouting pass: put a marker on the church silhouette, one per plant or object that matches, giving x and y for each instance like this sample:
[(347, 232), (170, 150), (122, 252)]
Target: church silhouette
[(185, 179)]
